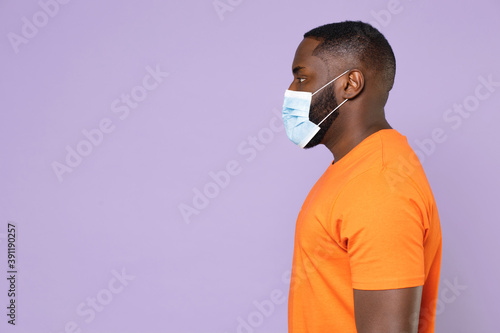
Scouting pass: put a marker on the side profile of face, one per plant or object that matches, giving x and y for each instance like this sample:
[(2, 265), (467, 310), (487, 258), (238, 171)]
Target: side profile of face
[(310, 73)]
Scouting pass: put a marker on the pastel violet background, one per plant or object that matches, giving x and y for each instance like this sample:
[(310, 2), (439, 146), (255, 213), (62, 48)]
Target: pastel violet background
[(107, 249)]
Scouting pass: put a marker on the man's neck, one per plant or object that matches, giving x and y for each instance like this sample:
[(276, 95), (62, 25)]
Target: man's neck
[(343, 144)]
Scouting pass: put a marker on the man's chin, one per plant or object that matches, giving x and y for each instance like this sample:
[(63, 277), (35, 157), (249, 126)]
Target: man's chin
[(316, 140)]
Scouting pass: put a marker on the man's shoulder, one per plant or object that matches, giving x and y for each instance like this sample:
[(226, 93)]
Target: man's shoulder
[(384, 165)]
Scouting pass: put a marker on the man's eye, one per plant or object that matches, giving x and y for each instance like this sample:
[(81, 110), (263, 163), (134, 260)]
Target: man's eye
[(301, 79)]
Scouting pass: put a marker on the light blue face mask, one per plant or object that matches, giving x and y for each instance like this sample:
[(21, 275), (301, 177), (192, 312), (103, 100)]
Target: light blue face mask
[(295, 114)]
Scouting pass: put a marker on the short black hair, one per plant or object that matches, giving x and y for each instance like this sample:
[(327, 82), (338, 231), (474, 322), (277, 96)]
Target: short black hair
[(359, 40)]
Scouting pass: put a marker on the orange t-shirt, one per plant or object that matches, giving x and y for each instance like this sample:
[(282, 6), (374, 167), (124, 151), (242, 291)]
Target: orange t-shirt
[(370, 222)]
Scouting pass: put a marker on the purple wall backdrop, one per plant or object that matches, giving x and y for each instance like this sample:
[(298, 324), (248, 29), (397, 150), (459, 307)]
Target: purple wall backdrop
[(120, 115)]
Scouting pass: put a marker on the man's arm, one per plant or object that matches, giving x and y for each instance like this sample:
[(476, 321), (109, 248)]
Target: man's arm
[(387, 311)]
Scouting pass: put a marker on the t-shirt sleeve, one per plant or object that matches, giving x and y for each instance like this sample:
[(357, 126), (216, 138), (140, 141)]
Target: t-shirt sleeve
[(383, 231)]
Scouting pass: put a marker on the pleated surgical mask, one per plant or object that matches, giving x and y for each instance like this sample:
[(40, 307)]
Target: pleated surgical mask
[(296, 107)]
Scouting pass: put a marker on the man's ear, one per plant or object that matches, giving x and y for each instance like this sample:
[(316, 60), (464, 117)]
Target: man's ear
[(353, 84)]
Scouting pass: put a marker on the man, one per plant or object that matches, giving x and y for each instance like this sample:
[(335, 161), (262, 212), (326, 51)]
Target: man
[(367, 251)]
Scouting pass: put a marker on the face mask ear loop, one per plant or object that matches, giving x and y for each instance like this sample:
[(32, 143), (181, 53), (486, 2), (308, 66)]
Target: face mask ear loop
[(345, 100), (330, 82)]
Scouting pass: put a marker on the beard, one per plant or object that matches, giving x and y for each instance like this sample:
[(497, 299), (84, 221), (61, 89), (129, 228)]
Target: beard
[(321, 106)]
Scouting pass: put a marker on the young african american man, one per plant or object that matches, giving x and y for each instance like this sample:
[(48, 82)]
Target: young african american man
[(367, 249)]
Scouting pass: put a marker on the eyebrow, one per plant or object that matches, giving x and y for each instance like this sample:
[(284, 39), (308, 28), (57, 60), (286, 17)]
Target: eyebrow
[(296, 69)]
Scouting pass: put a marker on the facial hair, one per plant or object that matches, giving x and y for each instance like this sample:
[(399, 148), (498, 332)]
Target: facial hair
[(322, 104)]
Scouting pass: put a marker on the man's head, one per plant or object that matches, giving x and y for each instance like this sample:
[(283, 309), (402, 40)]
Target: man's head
[(328, 51), (358, 44)]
